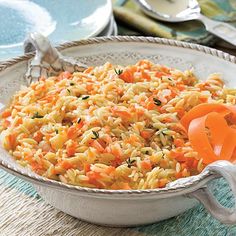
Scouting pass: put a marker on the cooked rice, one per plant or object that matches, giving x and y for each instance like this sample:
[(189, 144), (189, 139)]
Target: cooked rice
[(110, 127)]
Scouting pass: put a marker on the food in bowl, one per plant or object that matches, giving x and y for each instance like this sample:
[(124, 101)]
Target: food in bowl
[(111, 127)]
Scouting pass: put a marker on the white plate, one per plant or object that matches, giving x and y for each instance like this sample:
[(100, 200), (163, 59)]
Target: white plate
[(115, 29), (61, 20), (108, 30)]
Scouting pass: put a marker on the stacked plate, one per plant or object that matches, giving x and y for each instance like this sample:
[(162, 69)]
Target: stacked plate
[(60, 20)]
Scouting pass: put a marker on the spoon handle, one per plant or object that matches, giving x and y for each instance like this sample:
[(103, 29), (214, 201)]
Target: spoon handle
[(220, 29)]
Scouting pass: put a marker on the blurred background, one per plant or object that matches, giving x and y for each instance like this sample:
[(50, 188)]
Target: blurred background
[(63, 20)]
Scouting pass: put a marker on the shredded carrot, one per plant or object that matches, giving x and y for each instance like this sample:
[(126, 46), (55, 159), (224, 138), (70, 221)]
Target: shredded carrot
[(203, 99), (125, 186), (19, 121), (86, 167), (6, 113), (178, 142), (80, 125), (47, 137), (71, 148), (89, 86), (97, 145), (146, 164), (121, 112), (72, 132), (181, 87), (12, 140), (38, 136), (146, 134), (159, 74), (117, 161), (36, 167), (173, 90), (178, 155), (162, 182), (146, 76), (94, 178), (93, 175), (127, 76), (150, 105), (178, 175), (66, 164)]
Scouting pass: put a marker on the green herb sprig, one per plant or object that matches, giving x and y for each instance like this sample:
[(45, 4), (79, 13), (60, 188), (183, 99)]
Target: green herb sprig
[(96, 135), (36, 115), (85, 97), (130, 162), (118, 71), (157, 101)]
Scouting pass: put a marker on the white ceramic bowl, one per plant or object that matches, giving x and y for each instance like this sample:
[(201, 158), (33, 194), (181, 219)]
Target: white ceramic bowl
[(130, 207)]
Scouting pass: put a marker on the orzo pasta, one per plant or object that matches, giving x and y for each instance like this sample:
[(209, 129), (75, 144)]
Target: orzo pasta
[(110, 127)]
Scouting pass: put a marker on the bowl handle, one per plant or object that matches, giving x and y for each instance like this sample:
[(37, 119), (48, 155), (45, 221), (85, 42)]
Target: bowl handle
[(228, 171), (48, 61)]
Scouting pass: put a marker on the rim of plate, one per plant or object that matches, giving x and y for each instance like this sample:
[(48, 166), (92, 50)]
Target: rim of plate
[(182, 185), (107, 31), (105, 23)]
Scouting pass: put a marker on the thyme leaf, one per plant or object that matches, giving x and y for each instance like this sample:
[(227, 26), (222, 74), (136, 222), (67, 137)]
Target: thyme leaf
[(118, 71), (130, 162), (36, 115), (96, 135), (85, 97), (157, 101)]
